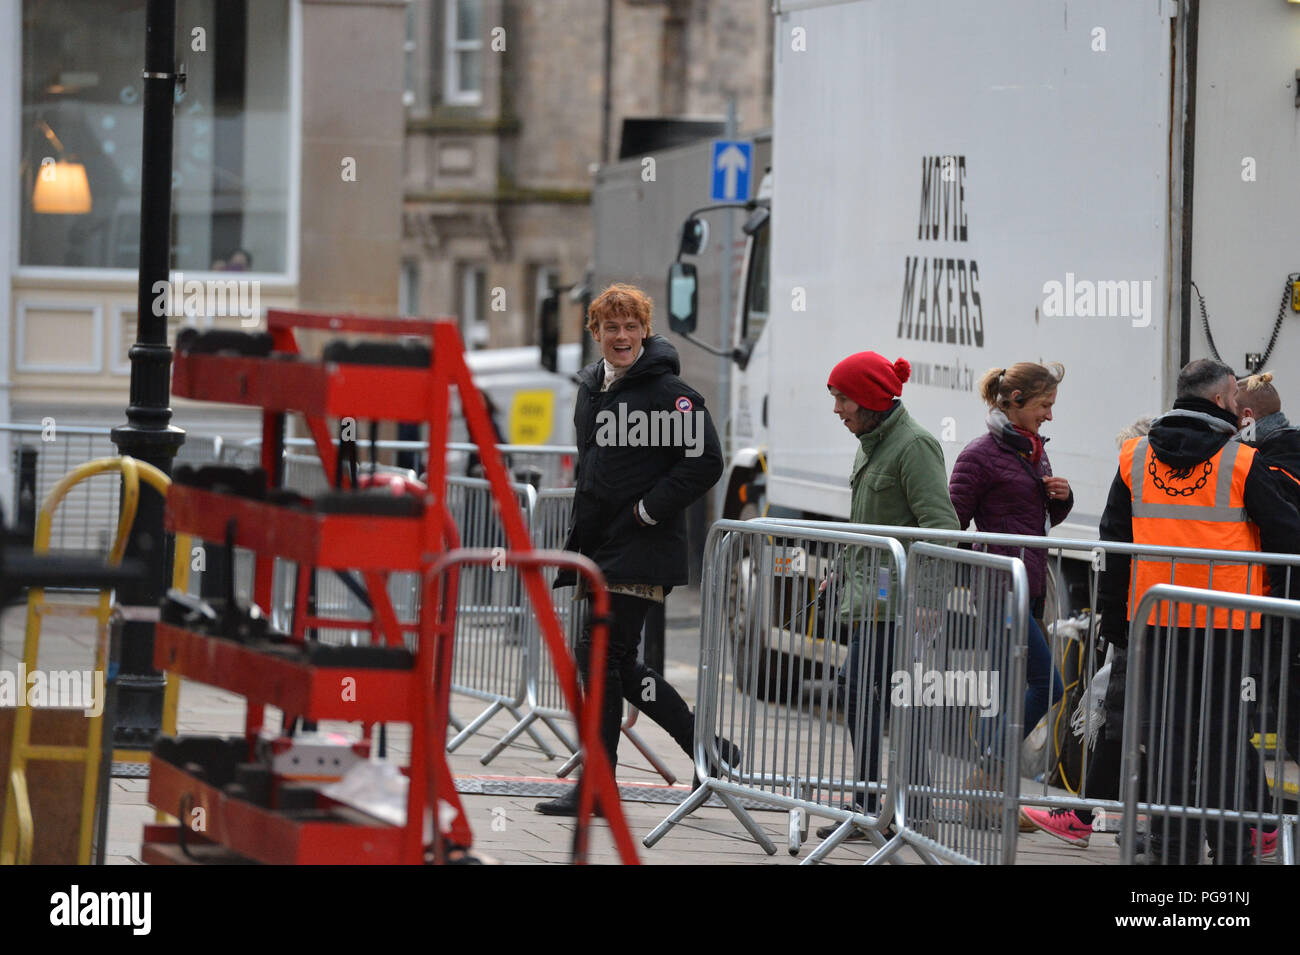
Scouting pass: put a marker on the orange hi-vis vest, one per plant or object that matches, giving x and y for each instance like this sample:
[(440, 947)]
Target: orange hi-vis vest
[(1207, 509)]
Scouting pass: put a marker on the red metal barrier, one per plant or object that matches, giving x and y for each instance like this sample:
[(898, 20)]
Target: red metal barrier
[(597, 784), (288, 381)]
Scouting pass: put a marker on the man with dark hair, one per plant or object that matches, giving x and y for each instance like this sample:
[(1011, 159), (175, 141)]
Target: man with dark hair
[(1208, 379), (1191, 483)]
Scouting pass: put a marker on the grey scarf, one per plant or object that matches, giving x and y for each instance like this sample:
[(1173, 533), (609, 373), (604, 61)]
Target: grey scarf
[(1268, 424)]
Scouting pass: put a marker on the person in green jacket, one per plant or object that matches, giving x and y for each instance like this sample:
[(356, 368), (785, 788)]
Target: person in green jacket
[(898, 479)]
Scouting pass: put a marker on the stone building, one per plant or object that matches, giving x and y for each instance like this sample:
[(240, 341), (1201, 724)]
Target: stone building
[(512, 104), (279, 95)]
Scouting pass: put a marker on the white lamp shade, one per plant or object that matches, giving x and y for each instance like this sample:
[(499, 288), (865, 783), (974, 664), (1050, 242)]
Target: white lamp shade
[(62, 189)]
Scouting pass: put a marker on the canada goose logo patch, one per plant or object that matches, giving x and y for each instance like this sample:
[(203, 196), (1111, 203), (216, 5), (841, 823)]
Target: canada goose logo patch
[(684, 404)]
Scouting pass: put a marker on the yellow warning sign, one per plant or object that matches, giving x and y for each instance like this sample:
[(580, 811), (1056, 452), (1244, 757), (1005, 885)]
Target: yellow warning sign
[(531, 413)]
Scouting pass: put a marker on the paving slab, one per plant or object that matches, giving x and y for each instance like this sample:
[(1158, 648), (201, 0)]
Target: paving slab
[(500, 797)]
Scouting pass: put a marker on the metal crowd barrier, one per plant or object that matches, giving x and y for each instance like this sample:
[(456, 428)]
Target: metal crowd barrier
[(547, 466), (774, 725), (1071, 790), (958, 689), (41, 455), (551, 466), (544, 697), (493, 636), (1211, 682)]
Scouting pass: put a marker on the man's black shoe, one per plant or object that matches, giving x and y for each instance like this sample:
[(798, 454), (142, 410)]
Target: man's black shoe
[(566, 805), (730, 754), (856, 834)]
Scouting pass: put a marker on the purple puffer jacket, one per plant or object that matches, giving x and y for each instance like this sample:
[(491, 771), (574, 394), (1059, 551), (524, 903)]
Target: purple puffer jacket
[(994, 483)]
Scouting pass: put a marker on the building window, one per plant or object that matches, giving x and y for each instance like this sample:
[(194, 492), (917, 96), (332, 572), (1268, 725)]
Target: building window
[(81, 133), (473, 306), (408, 292), (408, 58), (463, 52), (541, 279)]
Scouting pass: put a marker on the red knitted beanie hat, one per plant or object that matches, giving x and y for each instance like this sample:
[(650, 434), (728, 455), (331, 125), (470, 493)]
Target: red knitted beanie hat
[(870, 380)]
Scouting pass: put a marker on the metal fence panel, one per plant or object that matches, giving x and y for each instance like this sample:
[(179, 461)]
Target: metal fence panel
[(795, 656), (1210, 728), (543, 696), (959, 691), (492, 614), (543, 465), (86, 520), (1065, 779), (545, 703)]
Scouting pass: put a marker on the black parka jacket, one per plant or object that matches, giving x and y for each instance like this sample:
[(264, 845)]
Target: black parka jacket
[(667, 464), (1281, 452)]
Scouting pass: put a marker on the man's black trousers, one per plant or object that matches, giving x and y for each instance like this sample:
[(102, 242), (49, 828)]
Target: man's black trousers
[(628, 678)]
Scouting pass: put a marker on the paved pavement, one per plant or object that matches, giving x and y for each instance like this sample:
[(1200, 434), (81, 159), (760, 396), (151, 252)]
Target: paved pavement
[(505, 825)]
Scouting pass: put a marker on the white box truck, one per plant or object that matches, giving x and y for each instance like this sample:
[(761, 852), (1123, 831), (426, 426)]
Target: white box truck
[(968, 185)]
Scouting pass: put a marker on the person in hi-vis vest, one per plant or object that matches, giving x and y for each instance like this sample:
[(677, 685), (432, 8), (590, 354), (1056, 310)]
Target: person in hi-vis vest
[(1191, 483)]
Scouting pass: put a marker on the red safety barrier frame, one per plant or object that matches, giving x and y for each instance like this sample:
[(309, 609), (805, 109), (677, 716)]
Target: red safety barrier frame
[(520, 552), (320, 390), (603, 789)]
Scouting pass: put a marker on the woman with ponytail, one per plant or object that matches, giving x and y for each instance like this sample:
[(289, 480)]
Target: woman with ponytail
[(1002, 480)]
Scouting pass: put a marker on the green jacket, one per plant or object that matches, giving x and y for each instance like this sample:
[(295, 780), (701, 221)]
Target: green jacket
[(899, 479)]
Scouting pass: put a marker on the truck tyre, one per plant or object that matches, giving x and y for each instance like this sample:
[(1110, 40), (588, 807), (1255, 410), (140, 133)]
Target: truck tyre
[(733, 508), (759, 669)]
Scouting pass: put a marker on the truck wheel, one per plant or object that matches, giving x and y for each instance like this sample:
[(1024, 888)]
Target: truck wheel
[(759, 669), (733, 508)]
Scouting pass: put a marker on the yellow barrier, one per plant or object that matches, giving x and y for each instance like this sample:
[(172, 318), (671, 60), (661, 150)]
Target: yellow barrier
[(17, 833)]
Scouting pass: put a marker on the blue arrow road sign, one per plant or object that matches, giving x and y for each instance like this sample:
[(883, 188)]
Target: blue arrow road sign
[(730, 164)]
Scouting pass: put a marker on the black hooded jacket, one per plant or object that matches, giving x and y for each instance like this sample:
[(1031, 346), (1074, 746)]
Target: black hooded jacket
[(1184, 442), (1280, 450), (667, 465)]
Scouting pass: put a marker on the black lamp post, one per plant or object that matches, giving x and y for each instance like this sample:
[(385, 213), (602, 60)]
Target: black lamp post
[(148, 434)]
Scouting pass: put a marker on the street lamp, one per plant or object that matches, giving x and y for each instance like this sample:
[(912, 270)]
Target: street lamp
[(148, 435)]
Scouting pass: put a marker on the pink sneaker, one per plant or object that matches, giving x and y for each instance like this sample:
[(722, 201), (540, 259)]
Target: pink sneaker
[(1268, 845), (1061, 823)]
